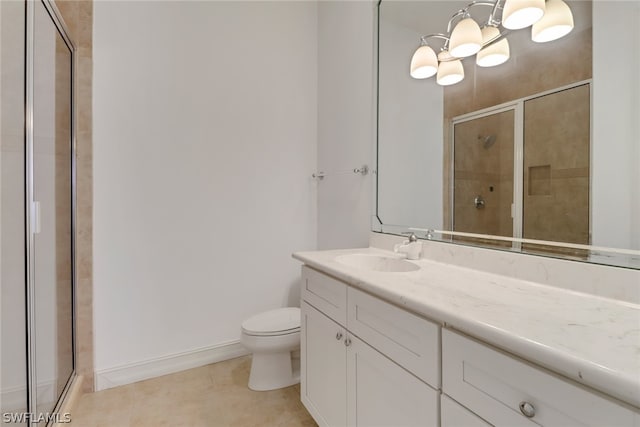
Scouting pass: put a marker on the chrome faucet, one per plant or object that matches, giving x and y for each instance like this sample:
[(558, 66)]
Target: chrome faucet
[(411, 248)]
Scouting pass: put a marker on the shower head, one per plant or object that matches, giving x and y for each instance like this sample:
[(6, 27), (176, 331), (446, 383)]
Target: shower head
[(487, 141)]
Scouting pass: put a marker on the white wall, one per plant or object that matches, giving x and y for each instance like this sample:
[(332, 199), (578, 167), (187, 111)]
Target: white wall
[(345, 122), (204, 143), (616, 128)]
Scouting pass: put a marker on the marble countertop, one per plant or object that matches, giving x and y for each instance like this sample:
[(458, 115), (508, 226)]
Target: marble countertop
[(592, 340)]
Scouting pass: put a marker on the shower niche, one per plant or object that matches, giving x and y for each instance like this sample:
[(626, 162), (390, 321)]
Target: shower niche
[(518, 171)]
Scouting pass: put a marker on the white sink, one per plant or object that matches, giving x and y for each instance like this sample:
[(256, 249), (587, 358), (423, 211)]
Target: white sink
[(377, 263)]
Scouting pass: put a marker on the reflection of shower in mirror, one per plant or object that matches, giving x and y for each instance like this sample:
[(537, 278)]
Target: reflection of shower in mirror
[(487, 141)]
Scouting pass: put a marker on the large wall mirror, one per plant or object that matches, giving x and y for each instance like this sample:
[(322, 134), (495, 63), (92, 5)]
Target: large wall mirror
[(540, 153)]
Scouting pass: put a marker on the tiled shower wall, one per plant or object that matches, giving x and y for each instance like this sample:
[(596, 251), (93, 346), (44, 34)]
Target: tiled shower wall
[(78, 15)]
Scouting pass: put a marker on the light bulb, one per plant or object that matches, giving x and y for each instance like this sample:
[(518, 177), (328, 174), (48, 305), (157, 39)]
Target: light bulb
[(557, 22), (449, 71), (466, 39), (424, 63), (518, 14), (494, 54)]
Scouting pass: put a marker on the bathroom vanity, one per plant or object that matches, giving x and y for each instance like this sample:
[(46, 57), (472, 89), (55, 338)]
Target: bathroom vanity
[(428, 343)]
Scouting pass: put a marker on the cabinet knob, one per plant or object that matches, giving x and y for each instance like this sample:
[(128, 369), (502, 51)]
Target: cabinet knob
[(339, 336), (527, 409), (347, 341)]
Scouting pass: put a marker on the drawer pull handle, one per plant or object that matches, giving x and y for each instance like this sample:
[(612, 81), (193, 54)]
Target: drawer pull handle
[(339, 336), (527, 409), (347, 342)]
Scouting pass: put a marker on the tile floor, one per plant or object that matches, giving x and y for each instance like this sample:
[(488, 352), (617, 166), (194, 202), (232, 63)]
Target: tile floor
[(211, 396)]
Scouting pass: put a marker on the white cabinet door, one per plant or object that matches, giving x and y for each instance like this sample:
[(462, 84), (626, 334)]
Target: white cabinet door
[(324, 368), (453, 414), (381, 393)]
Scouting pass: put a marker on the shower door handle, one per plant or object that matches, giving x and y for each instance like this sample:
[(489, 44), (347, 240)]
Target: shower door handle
[(35, 218)]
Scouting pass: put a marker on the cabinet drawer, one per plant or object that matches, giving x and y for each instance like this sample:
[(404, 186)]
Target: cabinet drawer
[(410, 341), (325, 293), (494, 385)]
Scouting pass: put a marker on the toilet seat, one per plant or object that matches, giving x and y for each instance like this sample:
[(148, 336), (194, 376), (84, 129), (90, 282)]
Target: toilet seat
[(281, 321)]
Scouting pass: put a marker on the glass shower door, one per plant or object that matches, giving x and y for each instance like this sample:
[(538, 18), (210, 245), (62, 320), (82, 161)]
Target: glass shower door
[(483, 171), (36, 212), (13, 357), (557, 167), (52, 250)]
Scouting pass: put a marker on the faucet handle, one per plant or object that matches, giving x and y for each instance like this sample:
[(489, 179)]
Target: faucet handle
[(412, 236), (412, 248)]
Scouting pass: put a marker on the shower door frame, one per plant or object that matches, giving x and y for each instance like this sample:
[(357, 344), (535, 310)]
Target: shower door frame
[(518, 149), (30, 210), (517, 105)]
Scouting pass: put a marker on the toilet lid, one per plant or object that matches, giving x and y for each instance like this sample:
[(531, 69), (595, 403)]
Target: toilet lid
[(268, 322)]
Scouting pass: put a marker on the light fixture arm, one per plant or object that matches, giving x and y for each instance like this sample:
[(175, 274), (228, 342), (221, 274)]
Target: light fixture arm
[(492, 16), (495, 6), (423, 39), (462, 12)]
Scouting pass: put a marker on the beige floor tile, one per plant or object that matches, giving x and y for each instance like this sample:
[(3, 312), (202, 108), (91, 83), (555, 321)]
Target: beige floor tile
[(210, 396)]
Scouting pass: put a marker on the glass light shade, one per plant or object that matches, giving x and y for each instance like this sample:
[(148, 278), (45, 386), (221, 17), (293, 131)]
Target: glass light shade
[(466, 39), (494, 54), (518, 14), (557, 22), (424, 63), (449, 72)]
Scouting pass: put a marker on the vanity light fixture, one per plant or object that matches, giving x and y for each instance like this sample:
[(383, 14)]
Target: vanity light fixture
[(466, 38), (557, 22), (493, 54), (424, 62), (518, 14), (450, 70), (550, 20)]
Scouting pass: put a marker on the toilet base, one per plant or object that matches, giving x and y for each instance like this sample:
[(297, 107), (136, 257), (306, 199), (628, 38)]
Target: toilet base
[(271, 371)]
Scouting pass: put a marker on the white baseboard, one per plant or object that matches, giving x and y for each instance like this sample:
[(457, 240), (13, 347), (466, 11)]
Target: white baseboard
[(131, 373)]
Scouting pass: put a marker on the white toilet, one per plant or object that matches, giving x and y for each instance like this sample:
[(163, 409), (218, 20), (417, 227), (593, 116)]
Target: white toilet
[(272, 337)]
